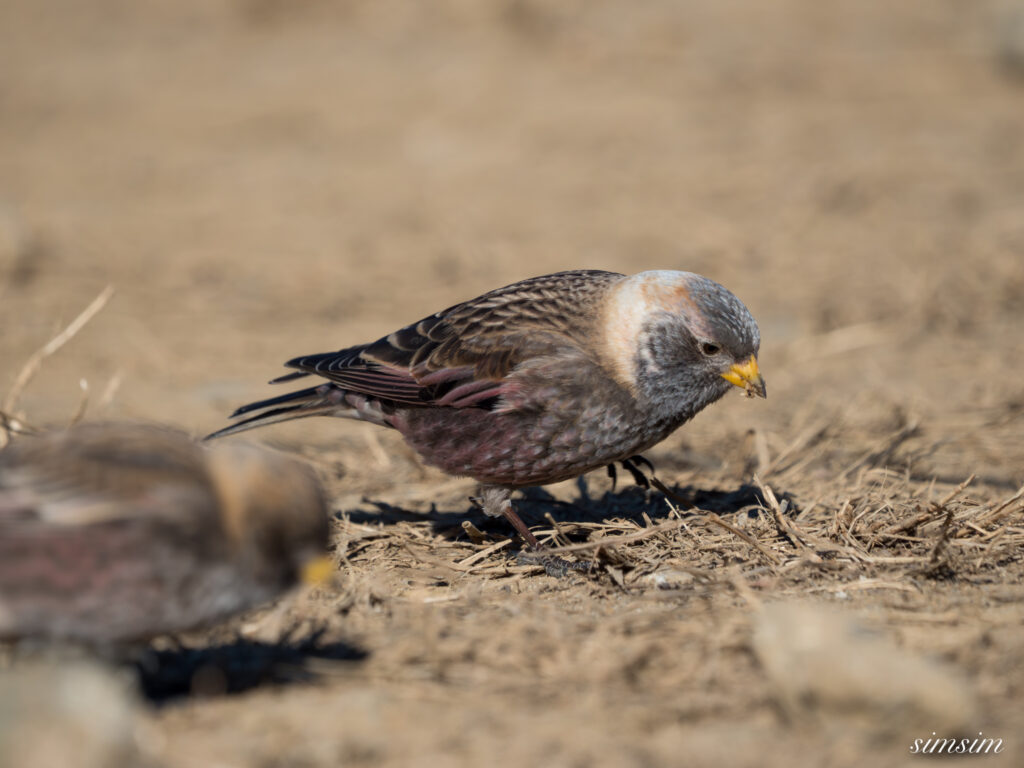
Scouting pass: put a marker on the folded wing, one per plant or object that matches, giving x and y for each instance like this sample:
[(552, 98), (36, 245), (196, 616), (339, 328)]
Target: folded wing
[(462, 357)]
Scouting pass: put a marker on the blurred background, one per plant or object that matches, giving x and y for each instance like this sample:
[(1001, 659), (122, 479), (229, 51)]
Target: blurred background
[(259, 179)]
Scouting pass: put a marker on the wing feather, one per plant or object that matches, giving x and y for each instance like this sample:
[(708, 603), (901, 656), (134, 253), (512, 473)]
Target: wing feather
[(101, 472), (462, 356)]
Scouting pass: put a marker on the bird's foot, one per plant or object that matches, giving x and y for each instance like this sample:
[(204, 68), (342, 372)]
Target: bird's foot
[(553, 564), (633, 465), (495, 502)]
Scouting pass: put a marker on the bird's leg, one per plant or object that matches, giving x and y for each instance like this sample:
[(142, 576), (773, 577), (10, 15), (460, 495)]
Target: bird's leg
[(633, 464), (496, 502), (613, 474)]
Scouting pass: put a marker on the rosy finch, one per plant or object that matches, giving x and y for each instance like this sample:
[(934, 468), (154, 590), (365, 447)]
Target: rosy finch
[(541, 380), (118, 532)]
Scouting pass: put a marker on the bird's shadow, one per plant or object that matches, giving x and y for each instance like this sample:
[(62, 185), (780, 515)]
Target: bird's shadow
[(233, 667), (636, 502), (535, 504)]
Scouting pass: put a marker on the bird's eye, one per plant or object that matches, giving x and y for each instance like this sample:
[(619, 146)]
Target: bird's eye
[(709, 348)]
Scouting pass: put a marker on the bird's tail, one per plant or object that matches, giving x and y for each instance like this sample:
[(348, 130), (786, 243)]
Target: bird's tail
[(324, 400)]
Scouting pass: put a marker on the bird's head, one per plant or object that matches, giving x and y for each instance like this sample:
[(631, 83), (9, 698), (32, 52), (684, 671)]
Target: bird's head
[(678, 341), (274, 513)]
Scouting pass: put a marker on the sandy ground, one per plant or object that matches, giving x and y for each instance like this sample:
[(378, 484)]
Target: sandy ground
[(260, 179)]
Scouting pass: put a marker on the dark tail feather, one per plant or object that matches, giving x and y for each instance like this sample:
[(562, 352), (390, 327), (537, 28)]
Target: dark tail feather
[(305, 402), (288, 377), (310, 396)]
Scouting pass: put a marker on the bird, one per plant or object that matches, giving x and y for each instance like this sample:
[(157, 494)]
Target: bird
[(538, 381), (113, 533)]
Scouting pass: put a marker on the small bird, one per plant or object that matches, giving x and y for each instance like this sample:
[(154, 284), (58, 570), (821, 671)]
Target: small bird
[(114, 533), (539, 381)]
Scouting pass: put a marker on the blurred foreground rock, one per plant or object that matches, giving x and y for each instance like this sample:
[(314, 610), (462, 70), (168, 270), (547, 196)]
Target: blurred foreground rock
[(78, 714), (820, 660)]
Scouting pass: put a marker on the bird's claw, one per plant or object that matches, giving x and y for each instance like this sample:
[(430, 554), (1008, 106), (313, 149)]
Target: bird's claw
[(632, 465), (553, 565)]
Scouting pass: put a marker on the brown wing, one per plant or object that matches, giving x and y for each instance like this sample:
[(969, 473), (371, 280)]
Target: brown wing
[(101, 472), (460, 357)]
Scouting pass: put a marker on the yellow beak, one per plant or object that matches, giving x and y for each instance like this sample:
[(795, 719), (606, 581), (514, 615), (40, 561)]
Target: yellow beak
[(746, 377), (317, 571)]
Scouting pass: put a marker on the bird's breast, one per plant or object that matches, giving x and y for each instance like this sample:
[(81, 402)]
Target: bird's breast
[(565, 427)]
